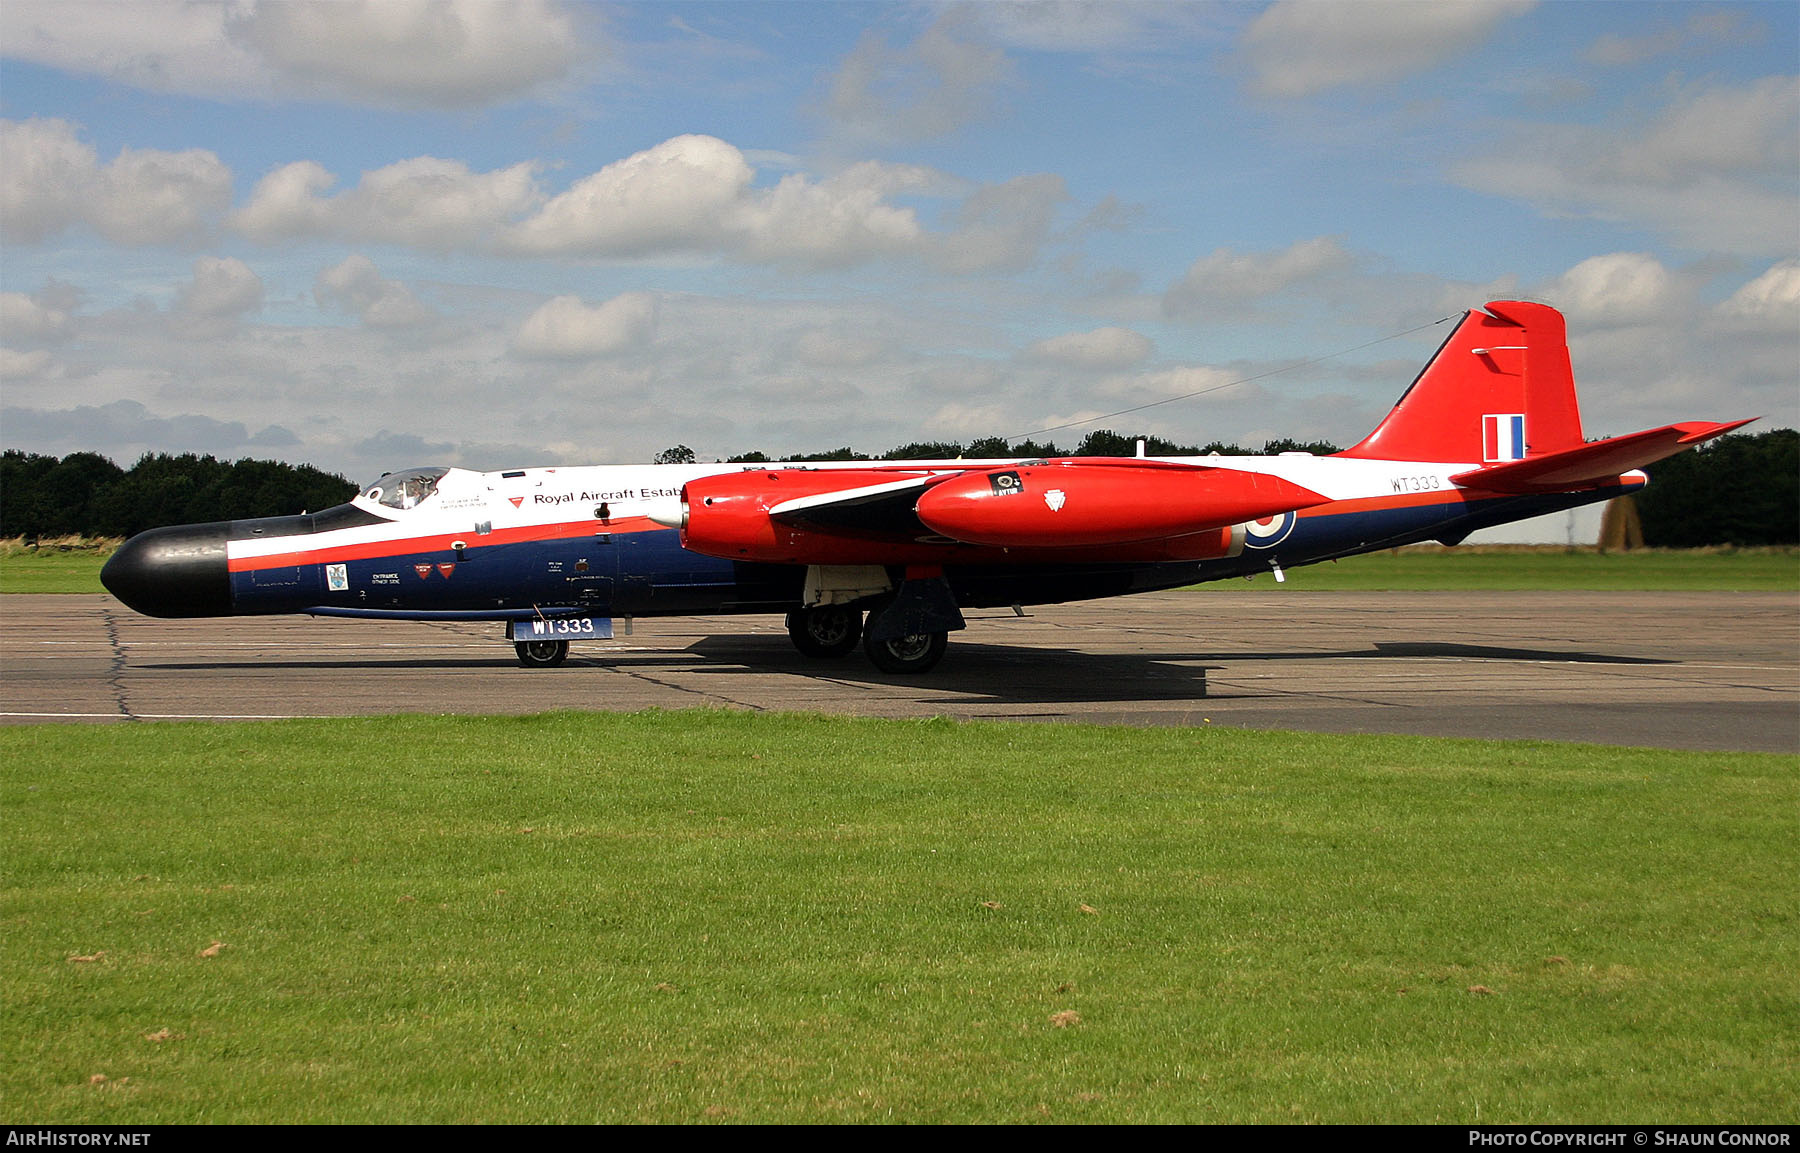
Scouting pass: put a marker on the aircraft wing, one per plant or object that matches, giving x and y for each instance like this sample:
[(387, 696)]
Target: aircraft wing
[(1592, 463), (883, 507), (823, 517)]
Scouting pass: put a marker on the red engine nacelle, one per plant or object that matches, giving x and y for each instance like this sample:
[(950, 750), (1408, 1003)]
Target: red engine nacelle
[(1077, 503)]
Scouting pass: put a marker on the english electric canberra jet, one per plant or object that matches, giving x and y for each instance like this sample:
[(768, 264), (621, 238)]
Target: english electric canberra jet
[(888, 553)]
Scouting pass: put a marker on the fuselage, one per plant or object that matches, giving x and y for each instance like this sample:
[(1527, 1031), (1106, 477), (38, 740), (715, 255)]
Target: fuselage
[(601, 541)]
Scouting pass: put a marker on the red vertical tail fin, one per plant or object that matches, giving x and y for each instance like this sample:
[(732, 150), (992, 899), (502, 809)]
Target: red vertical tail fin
[(1500, 389)]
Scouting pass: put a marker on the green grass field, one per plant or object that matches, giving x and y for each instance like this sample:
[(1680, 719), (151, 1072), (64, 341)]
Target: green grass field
[(1525, 567), (724, 916), (77, 569), (70, 565)]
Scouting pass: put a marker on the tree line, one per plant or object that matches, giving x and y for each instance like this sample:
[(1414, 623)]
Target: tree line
[(86, 494), (1102, 442), (1741, 490)]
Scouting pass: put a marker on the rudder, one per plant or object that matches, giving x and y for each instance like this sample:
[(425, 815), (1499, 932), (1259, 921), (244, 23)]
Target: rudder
[(1499, 389)]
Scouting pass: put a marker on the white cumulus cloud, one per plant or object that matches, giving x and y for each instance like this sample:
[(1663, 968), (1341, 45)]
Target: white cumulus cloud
[(1227, 278), (1166, 383), (435, 203), (27, 321), (413, 53), (357, 286), (50, 180), (1001, 227), (148, 197), (818, 349), (1715, 170), (1707, 26), (1103, 348), (836, 221), (17, 365), (565, 328), (697, 194), (157, 45), (1771, 301), (1302, 47), (43, 167), (672, 197), (1616, 288), (210, 305), (424, 202), (287, 203), (927, 89)]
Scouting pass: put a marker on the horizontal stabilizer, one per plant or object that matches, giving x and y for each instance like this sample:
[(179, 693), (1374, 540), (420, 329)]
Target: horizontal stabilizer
[(1592, 463)]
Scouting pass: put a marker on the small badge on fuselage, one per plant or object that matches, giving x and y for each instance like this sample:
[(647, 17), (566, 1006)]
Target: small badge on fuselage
[(1006, 483)]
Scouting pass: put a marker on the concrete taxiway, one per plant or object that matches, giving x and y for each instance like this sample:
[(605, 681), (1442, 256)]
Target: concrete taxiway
[(1673, 670)]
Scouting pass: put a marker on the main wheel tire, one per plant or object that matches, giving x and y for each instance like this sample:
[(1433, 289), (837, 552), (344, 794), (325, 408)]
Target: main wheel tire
[(826, 631), (917, 653), (541, 654)]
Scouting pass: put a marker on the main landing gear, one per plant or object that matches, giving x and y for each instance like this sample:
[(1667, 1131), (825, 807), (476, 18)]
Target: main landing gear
[(917, 653), (826, 631), (830, 631), (541, 654)]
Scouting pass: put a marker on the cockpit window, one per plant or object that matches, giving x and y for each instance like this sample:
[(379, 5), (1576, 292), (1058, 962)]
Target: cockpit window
[(405, 489)]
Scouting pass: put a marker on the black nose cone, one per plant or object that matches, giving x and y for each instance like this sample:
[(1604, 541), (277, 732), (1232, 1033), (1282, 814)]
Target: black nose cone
[(173, 572)]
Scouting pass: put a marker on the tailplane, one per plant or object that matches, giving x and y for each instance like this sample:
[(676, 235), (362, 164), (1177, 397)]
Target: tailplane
[(1593, 463), (1499, 390)]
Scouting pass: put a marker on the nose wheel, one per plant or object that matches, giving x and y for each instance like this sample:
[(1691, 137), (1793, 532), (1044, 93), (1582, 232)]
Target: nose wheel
[(541, 654)]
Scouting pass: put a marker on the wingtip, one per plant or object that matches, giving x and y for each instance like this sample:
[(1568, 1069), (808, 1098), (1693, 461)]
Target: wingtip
[(1694, 432)]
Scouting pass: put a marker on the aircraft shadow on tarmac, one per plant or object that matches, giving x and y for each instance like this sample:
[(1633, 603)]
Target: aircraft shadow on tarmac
[(999, 672), (1049, 675)]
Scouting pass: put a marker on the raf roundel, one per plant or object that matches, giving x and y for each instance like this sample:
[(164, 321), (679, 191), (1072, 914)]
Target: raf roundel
[(1269, 531)]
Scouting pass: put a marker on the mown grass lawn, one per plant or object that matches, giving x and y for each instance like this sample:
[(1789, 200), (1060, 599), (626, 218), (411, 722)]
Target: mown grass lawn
[(724, 916), (68, 566), (1538, 567)]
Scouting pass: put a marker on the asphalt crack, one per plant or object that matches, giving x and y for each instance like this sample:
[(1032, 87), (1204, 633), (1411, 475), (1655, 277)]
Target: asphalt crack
[(718, 698), (115, 672)]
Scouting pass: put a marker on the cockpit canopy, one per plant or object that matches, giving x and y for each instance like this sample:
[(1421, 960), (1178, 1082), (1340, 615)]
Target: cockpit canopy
[(405, 489)]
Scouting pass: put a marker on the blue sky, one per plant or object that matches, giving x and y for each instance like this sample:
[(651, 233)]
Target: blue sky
[(370, 236)]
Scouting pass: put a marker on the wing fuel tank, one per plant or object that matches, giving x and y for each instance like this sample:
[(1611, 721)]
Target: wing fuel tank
[(1086, 503)]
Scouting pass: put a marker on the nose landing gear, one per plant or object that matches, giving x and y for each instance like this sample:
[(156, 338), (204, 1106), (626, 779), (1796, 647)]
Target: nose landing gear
[(541, 654)]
